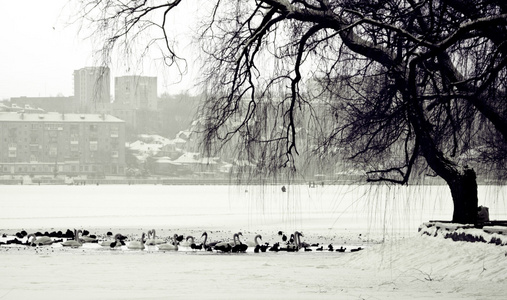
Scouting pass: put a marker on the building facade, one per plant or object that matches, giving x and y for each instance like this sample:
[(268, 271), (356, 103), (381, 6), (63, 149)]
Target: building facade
[(136, 102), (136, 92), (61, 144), (92, 90)]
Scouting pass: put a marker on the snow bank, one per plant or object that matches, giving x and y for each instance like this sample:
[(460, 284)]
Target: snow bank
[(458, 232)]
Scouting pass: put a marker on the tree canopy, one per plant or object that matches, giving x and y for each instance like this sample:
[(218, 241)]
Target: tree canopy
[(393, 84)]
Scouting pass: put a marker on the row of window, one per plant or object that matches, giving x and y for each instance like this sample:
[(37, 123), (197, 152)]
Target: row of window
[(73, 140), (60, 126), (74, 146), (50, 168), (53, 152)]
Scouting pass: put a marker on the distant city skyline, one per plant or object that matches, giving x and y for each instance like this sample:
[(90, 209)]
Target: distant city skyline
[(41, 51)]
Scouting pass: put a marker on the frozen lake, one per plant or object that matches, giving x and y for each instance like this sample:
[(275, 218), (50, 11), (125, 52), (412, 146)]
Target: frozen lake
[(373, 210), (396, 262), (392, 209)]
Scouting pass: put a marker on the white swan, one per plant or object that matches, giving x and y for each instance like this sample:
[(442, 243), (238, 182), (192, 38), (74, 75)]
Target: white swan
[(225, 243), (254, 243), (297, 240), (116, 243), (39, 241), (107, 243), (137, 245), (169, 246), (302, 244), (75, 242), (188, 242), (152, 239)]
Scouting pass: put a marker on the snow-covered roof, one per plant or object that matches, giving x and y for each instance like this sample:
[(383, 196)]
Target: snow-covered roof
[(179, 141), (155, 139), (194, 158), (167, 160), (144, 150), (184, 134)]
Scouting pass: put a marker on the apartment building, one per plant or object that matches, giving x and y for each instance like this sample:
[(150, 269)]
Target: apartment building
[(92, 90), (66, 144), (136, 102), (136, 92)]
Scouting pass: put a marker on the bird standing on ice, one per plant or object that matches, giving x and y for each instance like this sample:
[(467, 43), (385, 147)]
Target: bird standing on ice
[(284, 237), (295, 243)]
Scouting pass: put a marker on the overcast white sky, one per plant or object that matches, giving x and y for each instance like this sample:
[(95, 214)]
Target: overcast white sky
[(40, 51)]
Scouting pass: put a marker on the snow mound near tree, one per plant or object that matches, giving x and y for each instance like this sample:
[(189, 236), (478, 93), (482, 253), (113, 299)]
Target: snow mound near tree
[(469, 233)]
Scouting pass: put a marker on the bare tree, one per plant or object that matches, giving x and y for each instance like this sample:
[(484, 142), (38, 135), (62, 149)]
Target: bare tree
[(421, 80)]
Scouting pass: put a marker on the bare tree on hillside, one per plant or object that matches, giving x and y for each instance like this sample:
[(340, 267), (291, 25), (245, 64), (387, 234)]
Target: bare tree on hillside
[(424, 77)]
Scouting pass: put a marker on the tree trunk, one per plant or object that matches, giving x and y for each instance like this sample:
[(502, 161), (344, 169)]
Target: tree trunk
[(464, 195), (463, 184)]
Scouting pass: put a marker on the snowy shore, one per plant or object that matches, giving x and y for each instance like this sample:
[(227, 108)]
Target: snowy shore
[(418, 267)]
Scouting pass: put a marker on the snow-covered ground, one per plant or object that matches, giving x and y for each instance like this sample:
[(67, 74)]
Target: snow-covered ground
[(397, 262)]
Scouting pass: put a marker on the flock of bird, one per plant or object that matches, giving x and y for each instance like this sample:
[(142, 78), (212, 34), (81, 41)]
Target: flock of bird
[(77, 238)]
